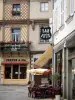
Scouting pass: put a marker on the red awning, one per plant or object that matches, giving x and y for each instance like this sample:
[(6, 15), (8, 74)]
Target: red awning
[(15, 63)]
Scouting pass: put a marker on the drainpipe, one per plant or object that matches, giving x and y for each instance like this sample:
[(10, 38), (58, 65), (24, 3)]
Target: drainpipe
[(52, 43)]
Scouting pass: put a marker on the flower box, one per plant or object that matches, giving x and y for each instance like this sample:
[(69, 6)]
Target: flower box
[(15, 12)]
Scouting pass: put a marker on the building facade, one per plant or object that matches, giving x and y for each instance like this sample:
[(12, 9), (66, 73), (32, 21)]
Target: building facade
[(20, 42), (14, 42), (64, 45), (40, 18)]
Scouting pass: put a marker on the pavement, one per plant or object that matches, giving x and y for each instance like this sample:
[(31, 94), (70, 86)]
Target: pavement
[(15, 93)]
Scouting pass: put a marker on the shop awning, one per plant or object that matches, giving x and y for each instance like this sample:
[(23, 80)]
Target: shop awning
[(40, 71), (15, 63), (43, 59)]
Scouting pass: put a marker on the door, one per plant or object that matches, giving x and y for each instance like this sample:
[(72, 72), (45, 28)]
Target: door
[(15, 71)]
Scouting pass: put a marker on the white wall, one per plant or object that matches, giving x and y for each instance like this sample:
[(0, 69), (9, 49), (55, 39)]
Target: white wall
[(68, 26)]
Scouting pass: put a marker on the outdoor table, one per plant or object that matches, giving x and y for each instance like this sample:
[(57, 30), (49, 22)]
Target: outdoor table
[(43, 91)]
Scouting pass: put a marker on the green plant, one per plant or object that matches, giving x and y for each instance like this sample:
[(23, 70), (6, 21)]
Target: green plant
[(56, 78)]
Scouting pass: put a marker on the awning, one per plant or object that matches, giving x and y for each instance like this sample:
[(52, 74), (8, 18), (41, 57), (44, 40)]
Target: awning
[(43, 59), (40, 71), (15, 63)]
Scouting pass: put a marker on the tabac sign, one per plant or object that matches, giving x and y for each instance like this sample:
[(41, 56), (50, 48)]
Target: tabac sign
[(45, 32)]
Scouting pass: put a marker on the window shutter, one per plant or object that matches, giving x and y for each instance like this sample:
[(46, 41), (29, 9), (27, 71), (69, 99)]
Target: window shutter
[(53, 21), (71, 7), (57, 19), (59, 15), (67, 8), (62, 12)]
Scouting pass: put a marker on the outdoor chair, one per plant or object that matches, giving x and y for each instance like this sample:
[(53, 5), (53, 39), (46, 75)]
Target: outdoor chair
[(36, 93)]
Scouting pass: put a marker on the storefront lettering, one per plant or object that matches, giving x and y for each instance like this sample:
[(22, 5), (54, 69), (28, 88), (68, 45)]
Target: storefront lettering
[(15, 60)]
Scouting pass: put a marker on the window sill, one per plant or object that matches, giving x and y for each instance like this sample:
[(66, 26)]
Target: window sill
[(69, 19), (15, 15), (43, 43)]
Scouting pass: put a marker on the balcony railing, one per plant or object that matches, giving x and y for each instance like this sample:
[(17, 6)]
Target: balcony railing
[(14, 46)]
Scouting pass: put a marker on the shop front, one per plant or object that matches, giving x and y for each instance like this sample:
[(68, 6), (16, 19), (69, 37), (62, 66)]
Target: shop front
[(14, 70), (43, 62), (64, 64)]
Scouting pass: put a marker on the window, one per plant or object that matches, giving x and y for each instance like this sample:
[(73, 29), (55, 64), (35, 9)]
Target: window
[(15, 38), (8, 72), (16, 34), (15, 72), (44, 6), (71, 7), (22, 72), (62, 12), (16, 10), (58, 67)]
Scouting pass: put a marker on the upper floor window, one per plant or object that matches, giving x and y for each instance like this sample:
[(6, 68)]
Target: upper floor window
[(16, 34), (16, 10), (71, 7), (44, 6), (62, 12)]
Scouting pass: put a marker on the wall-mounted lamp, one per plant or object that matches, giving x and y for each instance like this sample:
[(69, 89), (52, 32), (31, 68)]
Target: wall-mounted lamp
[(65, 44), (33, 25)]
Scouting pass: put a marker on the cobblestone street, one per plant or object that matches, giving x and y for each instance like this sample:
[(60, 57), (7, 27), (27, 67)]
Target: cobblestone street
[(15, 93)]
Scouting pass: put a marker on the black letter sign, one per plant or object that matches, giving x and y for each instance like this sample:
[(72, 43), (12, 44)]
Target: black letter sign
[(45, 33)]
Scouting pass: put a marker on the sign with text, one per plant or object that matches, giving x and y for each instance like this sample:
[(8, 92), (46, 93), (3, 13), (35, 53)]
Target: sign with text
[(45, 32)]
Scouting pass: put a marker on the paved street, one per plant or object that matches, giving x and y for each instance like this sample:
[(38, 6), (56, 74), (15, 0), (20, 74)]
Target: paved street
[(15, 93)]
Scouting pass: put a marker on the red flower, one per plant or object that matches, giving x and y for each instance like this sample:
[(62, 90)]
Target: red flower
[(28, 41), (12, 41)]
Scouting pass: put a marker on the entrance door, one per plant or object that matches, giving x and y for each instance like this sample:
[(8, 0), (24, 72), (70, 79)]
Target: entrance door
[(15, 71), (73, 79)]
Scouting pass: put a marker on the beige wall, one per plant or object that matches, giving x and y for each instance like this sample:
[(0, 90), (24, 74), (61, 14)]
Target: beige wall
[(35, 12), (24, 9), (1, 33), (34, 37), (1, 9), (15, 81)]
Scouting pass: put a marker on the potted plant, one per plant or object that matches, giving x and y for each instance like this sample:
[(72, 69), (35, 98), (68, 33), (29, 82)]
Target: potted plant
[(55, 78)]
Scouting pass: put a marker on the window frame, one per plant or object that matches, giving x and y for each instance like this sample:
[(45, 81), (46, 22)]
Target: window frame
[(71, 7), (15, 45), (44, 6), (16, 14), (16, 33), (19, 68)]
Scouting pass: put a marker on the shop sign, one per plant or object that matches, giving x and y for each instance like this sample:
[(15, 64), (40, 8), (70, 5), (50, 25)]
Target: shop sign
[(15, 60), (45, 32)]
